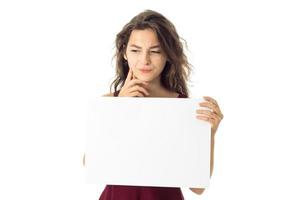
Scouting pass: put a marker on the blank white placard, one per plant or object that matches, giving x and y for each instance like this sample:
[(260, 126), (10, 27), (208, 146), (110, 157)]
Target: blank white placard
[(147, 142)]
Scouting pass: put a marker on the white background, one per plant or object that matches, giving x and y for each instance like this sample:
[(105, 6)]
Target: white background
[(55, 55)]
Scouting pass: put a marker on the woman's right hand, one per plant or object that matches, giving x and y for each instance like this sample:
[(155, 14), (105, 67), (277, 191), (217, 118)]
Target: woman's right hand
[(133, 87)]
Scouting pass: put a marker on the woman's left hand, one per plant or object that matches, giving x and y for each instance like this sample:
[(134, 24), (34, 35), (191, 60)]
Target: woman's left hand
[(213, 116)]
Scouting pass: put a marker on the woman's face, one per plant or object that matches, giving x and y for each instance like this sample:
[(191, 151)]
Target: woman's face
[(144, 55)]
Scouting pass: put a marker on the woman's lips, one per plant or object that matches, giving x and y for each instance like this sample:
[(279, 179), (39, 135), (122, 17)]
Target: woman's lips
[(145, 70)]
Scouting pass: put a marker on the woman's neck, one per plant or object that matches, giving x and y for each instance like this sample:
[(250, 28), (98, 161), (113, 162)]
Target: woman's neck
[(156, 89)]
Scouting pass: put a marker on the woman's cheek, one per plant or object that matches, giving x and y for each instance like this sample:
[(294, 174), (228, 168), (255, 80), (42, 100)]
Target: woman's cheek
[(132, 64)]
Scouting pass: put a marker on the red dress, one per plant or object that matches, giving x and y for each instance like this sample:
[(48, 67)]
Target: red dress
[(120, 192)]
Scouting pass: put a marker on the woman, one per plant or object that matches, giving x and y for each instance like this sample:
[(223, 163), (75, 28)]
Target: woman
[(150, 62)]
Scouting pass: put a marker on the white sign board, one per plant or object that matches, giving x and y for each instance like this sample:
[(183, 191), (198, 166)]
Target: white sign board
[(147, 142)]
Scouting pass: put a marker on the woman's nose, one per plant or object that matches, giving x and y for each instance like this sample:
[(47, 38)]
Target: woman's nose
[(145, 58)]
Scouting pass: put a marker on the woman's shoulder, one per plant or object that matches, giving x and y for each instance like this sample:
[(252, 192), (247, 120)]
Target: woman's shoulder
[(108, 95), (111, 94)]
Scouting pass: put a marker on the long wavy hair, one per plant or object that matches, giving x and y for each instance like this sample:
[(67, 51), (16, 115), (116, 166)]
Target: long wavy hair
[(177, 70)]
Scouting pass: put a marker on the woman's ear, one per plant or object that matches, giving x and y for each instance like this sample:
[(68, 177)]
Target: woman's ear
[(124, 55)]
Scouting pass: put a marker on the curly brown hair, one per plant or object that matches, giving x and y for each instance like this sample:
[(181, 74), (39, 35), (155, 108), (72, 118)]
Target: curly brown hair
[(177, 69)]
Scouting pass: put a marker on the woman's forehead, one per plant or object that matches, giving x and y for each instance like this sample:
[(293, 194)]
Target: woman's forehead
[(144, 38)]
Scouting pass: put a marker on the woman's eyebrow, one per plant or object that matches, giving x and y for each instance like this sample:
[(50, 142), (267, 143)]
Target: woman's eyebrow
[(155, 46), (152, 47), (136, 46)]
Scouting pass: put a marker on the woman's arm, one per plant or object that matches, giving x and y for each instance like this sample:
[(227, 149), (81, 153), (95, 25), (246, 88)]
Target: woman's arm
[(212, 144), (214, 117), (83, 160)]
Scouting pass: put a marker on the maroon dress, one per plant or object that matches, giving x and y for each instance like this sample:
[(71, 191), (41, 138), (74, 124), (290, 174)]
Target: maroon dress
[(122, 192)]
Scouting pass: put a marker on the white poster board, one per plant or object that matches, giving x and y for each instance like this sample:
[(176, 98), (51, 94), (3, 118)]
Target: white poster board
[(147, 142)]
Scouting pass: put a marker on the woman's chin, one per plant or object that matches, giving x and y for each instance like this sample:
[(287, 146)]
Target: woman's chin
[(146, 79)]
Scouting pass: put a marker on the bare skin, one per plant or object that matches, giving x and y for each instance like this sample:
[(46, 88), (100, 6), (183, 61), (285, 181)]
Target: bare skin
[(134, 87), (143, 52)]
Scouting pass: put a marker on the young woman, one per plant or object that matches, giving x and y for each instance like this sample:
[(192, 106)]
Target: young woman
[(150, 62)]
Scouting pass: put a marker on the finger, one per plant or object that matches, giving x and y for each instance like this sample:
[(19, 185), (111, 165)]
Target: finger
[(129, 76), (137, 81), (210, 99), (209, 113), (214, 107), (211, 120), (137, 94), (205, 118), (134, 77), (213, 101), (140, 89)]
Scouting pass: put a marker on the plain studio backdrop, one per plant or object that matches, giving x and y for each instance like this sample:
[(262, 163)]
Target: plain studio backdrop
[(55, 55)]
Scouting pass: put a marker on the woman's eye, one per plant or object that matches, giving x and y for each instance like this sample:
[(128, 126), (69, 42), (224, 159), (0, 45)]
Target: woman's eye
[(155, 51), (135, 51)]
